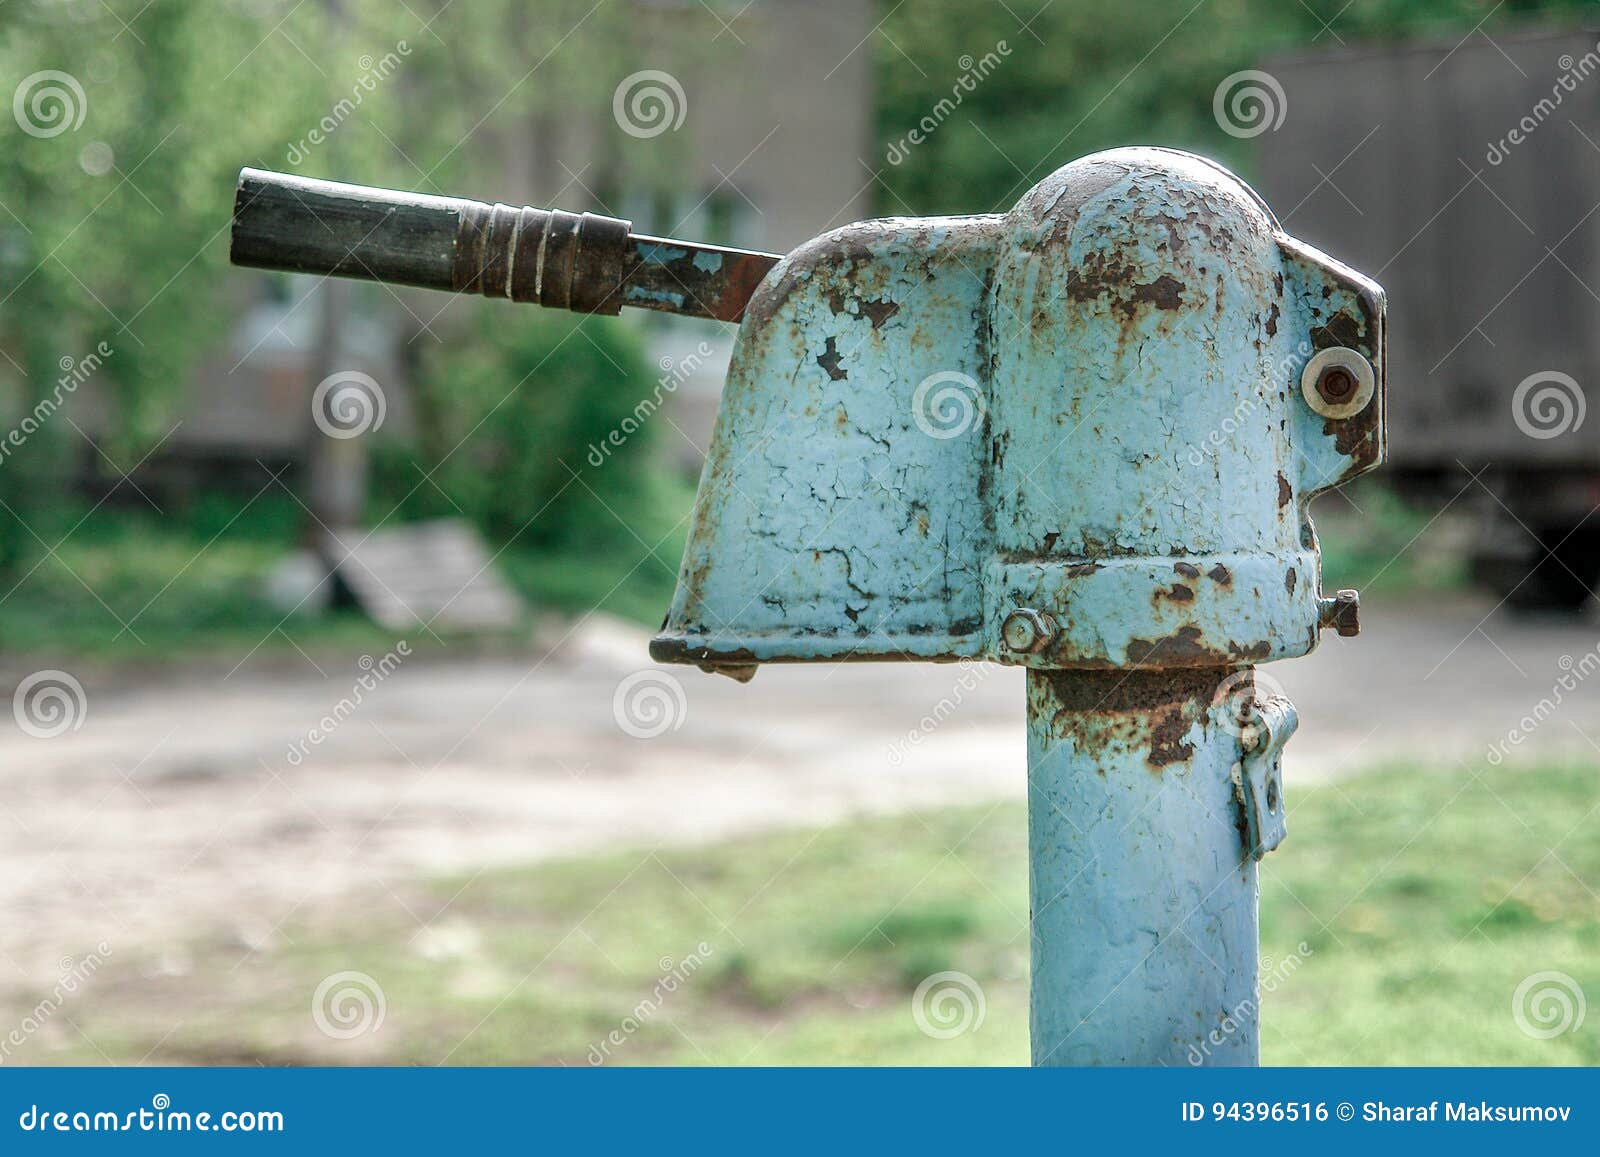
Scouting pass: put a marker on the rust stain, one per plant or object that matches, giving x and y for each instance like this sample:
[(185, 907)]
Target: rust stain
[(1153, 710), (1339, 330), (1188, 647), (1165, 292), (1221, 575), (1285, 491), (1178, 593), (879, 310), (1355, 437), (829, 360), (1099, 277), (1167, 746)]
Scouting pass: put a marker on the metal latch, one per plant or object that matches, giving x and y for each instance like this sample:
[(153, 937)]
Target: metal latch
[(1258, 775)]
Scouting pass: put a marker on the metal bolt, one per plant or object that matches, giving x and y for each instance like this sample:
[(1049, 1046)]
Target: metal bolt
[(1335, 384), (1338, 382), (1342, 612), (1028, 631)]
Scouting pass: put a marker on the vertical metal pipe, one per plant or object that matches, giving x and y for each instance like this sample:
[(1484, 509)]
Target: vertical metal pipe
[(1143, 895)]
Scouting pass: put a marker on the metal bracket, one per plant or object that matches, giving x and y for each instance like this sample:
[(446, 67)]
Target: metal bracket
[(1258, 776)]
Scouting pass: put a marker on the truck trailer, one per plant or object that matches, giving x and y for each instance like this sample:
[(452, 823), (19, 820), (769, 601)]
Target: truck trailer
[(1464, 175)]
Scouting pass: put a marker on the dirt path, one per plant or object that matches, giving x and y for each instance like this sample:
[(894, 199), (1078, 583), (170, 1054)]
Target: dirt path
[(187, 804)]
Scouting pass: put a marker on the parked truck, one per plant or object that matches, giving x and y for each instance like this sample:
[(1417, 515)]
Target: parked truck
[(1465, 176)]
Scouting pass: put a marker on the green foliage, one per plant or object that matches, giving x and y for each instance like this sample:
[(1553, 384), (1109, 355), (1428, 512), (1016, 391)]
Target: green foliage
[(1374, 540), (493, 90), (507, 416), (115, 229), (132, 583)]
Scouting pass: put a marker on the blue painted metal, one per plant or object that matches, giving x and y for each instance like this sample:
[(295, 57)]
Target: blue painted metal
[(1144, 905), (1089, 406), (1073, 437)]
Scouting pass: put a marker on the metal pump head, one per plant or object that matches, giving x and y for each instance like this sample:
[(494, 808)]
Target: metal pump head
[(1081, 434)]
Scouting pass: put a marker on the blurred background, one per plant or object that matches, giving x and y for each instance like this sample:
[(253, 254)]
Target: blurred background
[(323, 605)]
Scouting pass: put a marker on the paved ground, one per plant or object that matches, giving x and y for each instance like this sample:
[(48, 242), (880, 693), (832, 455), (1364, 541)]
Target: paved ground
[(178, 804)]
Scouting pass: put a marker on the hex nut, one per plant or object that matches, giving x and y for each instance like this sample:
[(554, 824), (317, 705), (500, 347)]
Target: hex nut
[(1338, 382), (1027, 631), (1342, 612)]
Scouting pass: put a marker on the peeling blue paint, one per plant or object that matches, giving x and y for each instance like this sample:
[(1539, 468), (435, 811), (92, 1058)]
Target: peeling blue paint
[(636, 293), (1144, 905), (662, 254), (1072, 399), (708, 260), (1088, 409)]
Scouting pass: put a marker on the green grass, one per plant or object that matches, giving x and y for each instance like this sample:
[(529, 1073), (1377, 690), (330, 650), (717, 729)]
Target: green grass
[(1375, 541), (1414, 902), (128, 585)]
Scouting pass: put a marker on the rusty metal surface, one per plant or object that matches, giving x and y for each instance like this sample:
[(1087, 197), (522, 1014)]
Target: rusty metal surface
[(827, 524), (1143, 896), (1267, 724), (584, 262), (700, 280), (1089, 408)]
